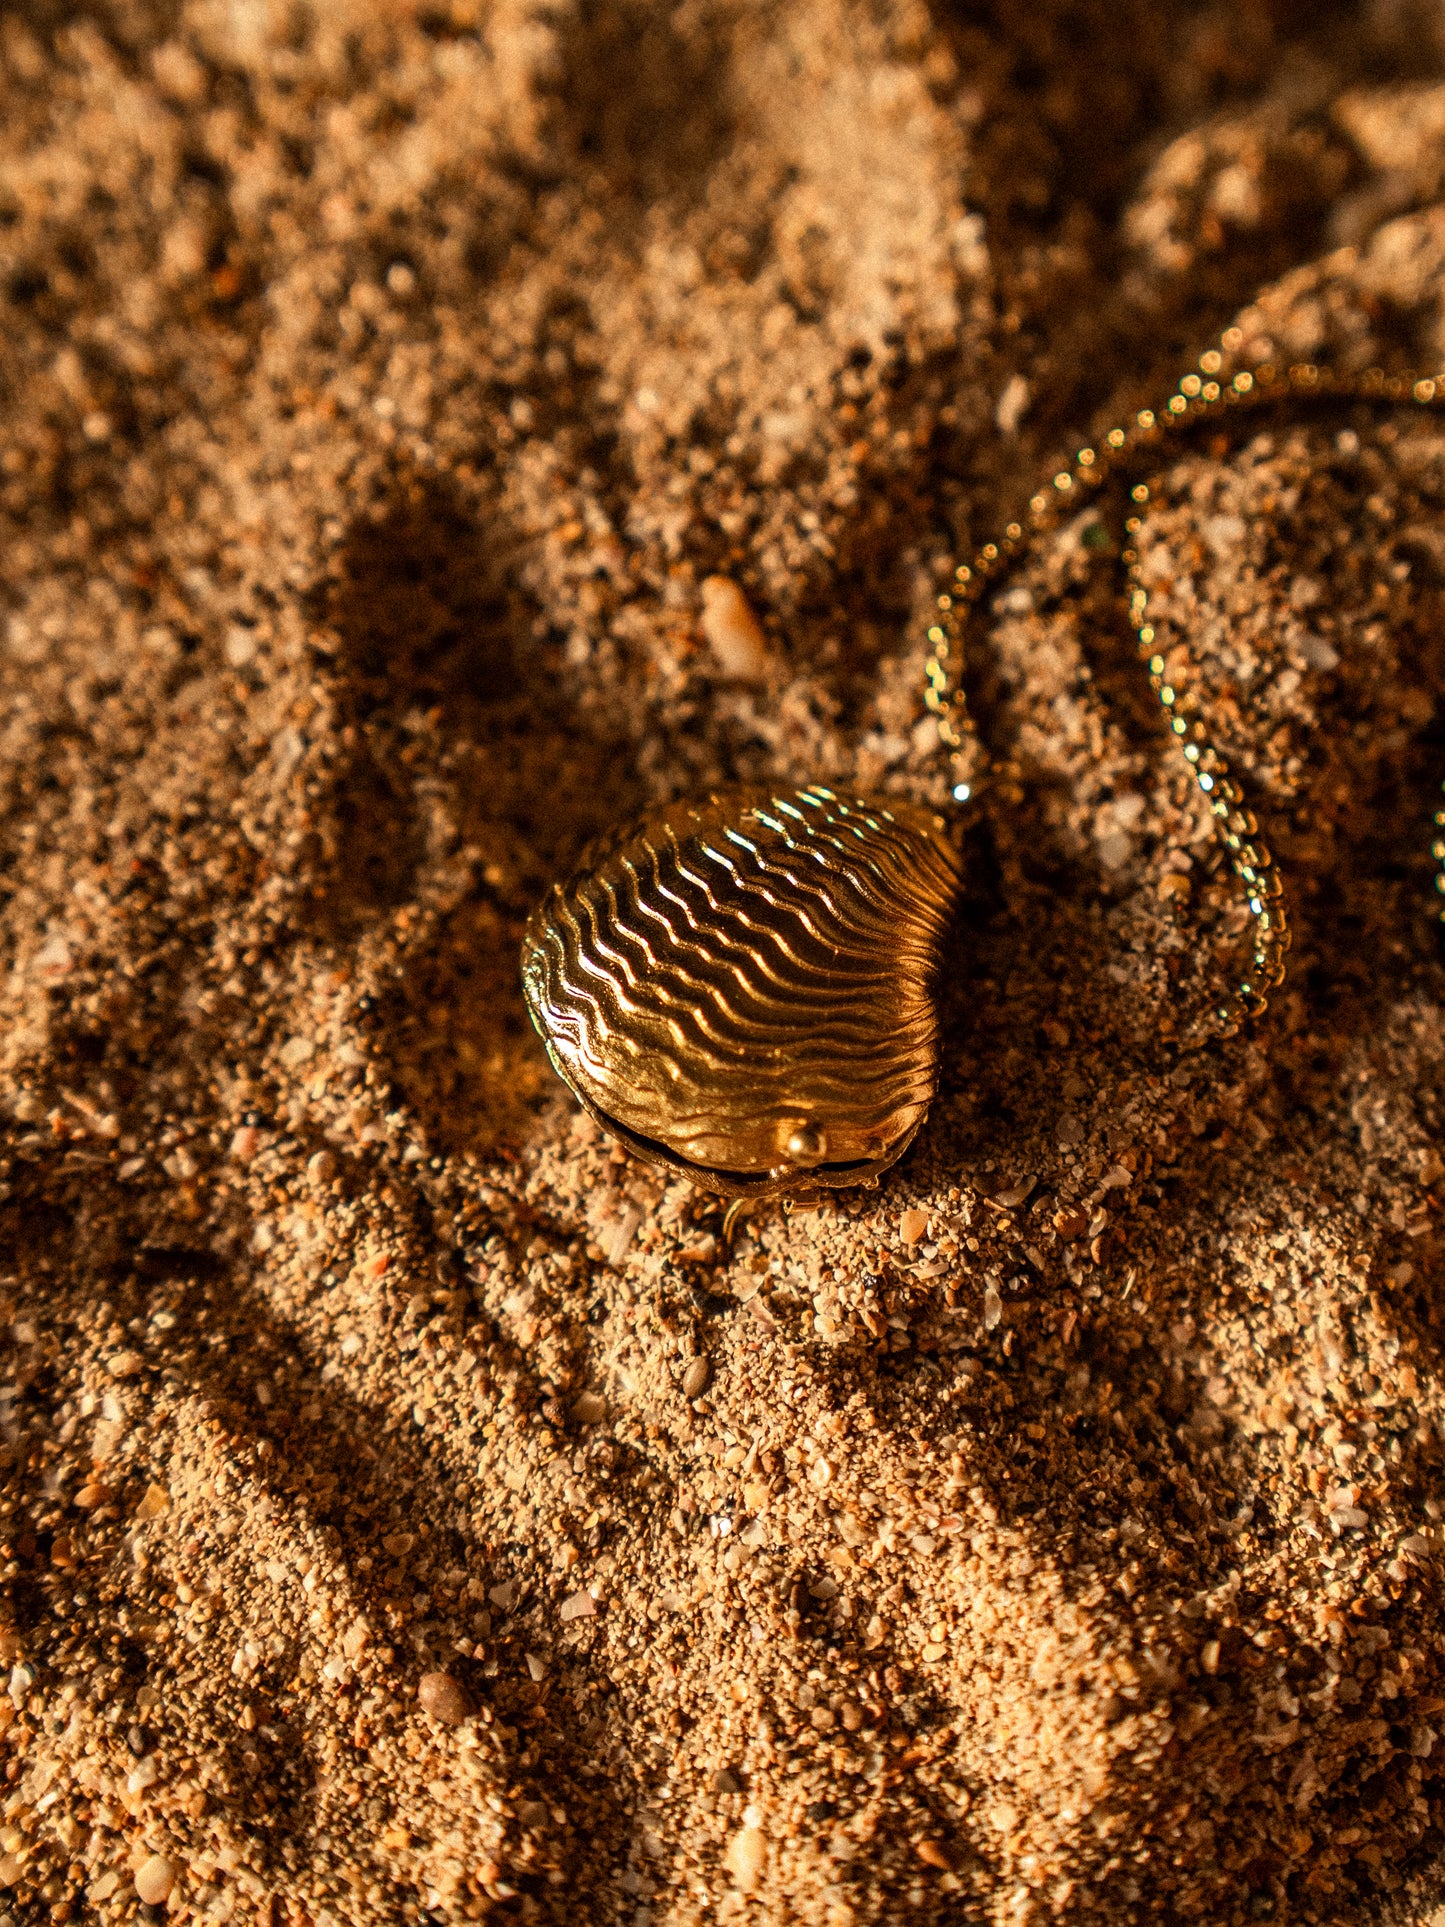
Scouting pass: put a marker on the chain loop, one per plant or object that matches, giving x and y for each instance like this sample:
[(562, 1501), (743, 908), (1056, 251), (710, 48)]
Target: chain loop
[(1134, 450)]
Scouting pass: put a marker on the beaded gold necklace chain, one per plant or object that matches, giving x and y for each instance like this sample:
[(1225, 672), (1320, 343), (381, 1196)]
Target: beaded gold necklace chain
[(741, 986), (1133, 450)]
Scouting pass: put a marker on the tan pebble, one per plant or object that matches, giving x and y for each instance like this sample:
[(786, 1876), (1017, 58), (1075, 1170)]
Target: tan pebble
[(912, 1225), (1174, 888), (444, 1698), (1012, 1195), (696, 1378), (581, 1605), (733, 632), (536, 1667), (245, 1144), (153, 1504), (154, 1879), (746, 1856), (124, 1364), (398, 1544), (724, 1780), (933, 1853), (589, 1408), (321, 1168), (92, 1495), (851, 1715)]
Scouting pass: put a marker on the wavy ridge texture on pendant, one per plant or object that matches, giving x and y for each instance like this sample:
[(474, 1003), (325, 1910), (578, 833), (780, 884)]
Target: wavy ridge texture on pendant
[(742, 986)]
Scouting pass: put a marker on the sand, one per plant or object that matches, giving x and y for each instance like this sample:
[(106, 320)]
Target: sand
[(416, 1510)]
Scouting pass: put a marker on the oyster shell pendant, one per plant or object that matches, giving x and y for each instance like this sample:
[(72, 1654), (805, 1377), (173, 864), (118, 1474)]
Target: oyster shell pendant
[(741, 986)]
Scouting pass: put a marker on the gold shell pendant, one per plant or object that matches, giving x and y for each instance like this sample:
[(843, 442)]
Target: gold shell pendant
[(741, 986)]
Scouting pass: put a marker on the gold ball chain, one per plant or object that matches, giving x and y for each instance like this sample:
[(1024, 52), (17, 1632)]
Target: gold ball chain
[(1200, 398)]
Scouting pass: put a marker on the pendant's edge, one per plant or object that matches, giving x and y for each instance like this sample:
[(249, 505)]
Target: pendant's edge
[(766, 1185)]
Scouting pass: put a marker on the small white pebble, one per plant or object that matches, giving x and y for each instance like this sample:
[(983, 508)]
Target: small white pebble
[(238, 645), (1012, 402), (992, 1308), (733, 632), (746, 1855), (581, 1605), (53, 960), (154, 1879)]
